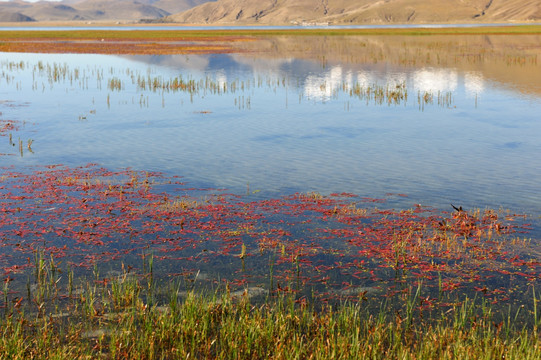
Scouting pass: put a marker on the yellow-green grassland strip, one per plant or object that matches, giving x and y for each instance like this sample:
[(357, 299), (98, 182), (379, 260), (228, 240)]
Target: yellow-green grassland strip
[(211, 33)]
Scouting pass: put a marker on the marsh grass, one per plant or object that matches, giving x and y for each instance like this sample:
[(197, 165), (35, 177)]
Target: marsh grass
[(187, 35), (52, 75), (111, 319)]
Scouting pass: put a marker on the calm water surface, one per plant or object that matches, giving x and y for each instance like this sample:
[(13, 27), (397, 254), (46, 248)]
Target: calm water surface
[(183, 27), (282, 125)]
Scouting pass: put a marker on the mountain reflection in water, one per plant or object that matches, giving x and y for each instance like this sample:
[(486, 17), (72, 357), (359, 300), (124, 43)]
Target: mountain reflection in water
[(432, 117)]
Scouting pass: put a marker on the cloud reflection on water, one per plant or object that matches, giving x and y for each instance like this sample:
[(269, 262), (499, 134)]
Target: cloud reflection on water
[(302, 132)]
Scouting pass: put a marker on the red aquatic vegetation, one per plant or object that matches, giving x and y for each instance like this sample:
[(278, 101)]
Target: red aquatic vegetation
[(7, 126), (332, 244)]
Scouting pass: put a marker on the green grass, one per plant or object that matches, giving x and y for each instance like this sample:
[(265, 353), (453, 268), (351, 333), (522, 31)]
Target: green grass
[(112, 320), (179, 34)]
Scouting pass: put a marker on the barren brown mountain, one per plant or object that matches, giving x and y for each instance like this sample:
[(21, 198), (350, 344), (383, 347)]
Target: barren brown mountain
[(120, 9), (175, 6), (83, 10), (278, 12), (54, 11), (360, 11), (9, 16)]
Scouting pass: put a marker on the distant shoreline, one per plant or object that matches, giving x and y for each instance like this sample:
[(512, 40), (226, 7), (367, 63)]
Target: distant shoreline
[(169, 41), (400, 29), (131, 23)]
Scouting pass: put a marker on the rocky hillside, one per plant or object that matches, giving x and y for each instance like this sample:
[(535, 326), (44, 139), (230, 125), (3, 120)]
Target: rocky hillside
[(277, 12), (360, 11)]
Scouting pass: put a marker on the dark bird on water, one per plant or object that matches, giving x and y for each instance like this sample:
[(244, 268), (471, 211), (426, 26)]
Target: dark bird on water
[(457, 208)]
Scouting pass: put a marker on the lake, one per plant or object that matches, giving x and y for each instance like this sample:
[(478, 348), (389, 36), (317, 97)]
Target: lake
[(402, 122), (287, 124), (96, 26)]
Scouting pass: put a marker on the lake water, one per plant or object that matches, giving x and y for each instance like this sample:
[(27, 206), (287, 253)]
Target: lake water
[(257, 27), (285, 125), (152, 27), (438, 120)]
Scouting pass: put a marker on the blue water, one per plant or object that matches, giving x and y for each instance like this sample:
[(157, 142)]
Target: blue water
[(256, 27), (283, 126)]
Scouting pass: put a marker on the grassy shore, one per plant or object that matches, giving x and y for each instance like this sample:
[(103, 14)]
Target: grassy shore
[(112, 320), (207, 41), (175, 34)]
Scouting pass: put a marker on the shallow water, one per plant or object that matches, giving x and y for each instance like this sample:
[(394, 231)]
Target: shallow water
[(410, 120), (284, 125), (258, 27)]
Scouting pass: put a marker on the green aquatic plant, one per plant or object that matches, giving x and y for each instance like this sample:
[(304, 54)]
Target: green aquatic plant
[(112, 321)]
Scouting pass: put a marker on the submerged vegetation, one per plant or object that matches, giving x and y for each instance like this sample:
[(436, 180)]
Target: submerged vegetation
[(125, 263), (317, 247)]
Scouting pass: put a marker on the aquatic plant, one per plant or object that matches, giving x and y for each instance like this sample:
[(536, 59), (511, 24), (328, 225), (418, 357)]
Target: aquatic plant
[(323, 248), (110, 319), (54, 74)]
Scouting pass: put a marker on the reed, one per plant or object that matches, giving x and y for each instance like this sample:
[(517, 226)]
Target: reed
[(111, 320), (146, 85)]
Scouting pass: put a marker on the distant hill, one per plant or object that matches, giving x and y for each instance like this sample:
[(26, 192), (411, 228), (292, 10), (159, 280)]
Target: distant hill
[(119, 10), (359, 11), (514, 10), (93, 9), (277, 12), (8, 16), (51, 11), (176, 6)]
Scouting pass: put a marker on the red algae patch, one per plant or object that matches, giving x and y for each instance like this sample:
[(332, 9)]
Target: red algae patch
[(6, 126), (335, 247)]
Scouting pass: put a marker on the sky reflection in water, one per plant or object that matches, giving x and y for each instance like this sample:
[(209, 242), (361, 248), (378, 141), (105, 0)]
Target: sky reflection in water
[(294, 127)]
